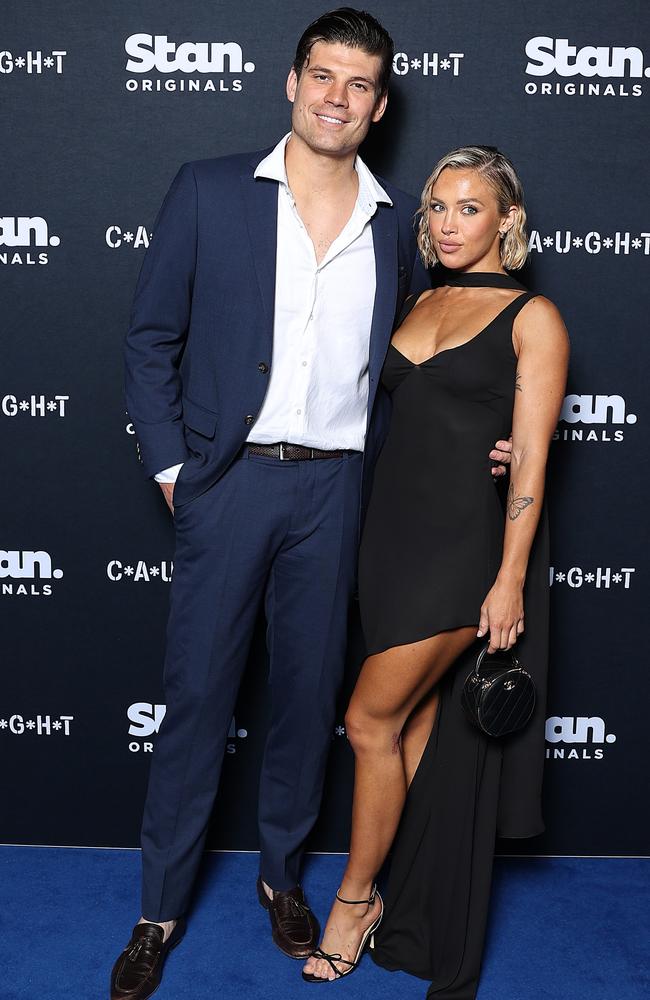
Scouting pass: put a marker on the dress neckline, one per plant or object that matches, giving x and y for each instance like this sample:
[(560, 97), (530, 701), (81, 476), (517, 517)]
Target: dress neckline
[(481, 279)]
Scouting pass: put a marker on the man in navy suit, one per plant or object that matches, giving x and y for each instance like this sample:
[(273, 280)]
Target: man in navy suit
[(260, 324)]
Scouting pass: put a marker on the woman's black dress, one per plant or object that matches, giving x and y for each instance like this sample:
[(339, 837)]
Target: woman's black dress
[(430, 552)]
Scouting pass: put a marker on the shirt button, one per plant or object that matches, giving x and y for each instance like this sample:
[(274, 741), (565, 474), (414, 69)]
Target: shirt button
[(249, 419), (304, 364), (298, 412), (263, 367)]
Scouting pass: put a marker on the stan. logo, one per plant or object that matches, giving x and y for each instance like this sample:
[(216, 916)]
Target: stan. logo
[(610, 411), (36, 566), (24, 231), (145, 720), (557, 56), (158, 56), (589, 733)]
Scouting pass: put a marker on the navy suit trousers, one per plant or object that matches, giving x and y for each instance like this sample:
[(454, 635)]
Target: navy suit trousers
[(285, 533)]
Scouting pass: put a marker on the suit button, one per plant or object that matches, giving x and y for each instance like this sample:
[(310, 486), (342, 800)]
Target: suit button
[(249, 419), (263, 367)]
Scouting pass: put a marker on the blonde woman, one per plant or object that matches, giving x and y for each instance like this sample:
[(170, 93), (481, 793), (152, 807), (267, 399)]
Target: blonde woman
[(447, 563)]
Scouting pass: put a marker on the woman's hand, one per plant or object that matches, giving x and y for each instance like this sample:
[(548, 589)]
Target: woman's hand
[(502, 615)]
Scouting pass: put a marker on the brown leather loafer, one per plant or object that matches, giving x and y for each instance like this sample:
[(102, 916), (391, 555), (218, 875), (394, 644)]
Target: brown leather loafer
[(294, 926), (138, 970)]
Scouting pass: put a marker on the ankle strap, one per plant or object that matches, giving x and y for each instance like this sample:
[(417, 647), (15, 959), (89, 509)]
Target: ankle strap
[(358, 902)]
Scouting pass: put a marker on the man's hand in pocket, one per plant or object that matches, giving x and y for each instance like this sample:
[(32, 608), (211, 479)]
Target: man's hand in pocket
[(168, 493)]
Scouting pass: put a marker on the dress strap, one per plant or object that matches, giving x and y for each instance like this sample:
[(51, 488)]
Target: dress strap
[(518, 304)]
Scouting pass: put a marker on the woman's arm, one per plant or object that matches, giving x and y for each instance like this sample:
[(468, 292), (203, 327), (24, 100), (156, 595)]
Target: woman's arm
[(542, 346)]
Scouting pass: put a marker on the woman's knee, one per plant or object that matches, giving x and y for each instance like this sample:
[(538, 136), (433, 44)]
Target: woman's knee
[(368, 734)]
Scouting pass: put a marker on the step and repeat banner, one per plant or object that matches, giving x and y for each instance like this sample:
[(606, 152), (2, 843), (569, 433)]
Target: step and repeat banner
[(99, 105)]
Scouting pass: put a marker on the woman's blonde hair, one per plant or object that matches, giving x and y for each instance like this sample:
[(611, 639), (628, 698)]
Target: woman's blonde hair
[(502, 177)]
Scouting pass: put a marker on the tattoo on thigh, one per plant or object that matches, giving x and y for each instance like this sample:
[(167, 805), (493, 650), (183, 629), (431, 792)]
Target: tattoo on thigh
[(517, 504)]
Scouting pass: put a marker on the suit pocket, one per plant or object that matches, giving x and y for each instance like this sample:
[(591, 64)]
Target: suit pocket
[(199, 419)]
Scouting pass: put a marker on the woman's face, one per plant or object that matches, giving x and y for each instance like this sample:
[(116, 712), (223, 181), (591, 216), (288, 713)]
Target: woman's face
[(465, 221)]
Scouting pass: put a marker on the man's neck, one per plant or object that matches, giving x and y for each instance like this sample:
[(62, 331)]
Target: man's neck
[(312, 174)]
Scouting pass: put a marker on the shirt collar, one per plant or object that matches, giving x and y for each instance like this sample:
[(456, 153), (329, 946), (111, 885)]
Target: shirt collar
[(371, 193)]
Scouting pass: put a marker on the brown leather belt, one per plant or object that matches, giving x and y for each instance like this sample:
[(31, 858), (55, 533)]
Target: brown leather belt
[(292, 452)]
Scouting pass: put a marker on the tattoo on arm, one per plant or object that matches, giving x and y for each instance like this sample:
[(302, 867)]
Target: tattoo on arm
[(518, 382), (517, 504), (396, 743)]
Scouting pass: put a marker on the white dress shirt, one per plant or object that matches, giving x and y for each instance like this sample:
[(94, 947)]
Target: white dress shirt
[(318, 384)]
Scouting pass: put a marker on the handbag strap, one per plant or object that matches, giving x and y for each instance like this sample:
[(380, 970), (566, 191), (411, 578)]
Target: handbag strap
[(514, 662)]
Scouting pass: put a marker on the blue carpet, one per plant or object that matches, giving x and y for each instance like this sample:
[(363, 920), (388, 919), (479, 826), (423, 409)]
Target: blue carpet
[(566, 929)]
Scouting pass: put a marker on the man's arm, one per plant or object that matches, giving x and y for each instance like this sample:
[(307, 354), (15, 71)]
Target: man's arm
[(158, 330)]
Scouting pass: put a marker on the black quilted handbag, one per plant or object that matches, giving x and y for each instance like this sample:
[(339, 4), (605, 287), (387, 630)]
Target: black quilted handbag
[(499, 695)]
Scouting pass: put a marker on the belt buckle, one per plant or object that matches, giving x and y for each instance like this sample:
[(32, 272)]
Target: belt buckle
[(282, 458)]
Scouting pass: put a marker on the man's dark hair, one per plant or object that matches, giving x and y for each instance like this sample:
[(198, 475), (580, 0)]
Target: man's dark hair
[(354, 28)]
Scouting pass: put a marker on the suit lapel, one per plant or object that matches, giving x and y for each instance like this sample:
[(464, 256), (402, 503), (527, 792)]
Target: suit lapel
[(384, 237), (261, 202)]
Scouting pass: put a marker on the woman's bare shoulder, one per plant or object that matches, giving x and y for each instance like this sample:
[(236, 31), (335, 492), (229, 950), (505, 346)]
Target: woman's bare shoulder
[(540, 319)]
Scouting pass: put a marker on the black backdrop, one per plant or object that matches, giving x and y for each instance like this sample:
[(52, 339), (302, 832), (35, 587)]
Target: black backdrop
[(90, 147)]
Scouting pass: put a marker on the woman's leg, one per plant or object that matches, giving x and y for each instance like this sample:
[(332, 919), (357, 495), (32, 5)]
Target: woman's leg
[(416, 732), (391, 685)]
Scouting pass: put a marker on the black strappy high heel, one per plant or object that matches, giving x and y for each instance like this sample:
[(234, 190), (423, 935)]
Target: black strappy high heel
[(368, 935)]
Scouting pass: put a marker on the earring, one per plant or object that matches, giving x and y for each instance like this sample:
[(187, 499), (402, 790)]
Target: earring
[(503, 233)]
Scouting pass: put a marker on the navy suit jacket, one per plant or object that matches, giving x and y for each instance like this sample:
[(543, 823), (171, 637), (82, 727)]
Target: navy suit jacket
[(200, 343)]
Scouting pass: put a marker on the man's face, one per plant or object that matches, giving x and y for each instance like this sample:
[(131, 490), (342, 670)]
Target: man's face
[(336, 98)]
